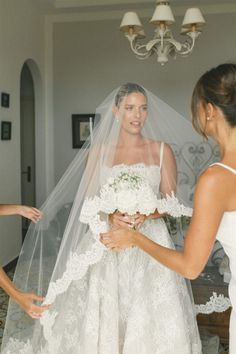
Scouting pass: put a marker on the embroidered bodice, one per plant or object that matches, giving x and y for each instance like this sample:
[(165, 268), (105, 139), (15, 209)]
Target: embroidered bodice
[(151, 173)]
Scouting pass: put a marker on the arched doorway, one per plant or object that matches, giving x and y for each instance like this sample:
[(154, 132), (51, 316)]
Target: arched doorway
[(27, 131)]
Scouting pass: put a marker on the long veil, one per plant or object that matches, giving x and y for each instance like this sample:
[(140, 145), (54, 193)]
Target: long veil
[(62, 247)]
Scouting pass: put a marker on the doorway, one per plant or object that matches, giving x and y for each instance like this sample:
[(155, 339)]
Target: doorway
[(27, 133)]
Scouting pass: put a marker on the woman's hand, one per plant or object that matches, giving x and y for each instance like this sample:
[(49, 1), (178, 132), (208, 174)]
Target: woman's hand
[(26, 301), (140, 219), (30, 213), (118, 239), (119, 220)]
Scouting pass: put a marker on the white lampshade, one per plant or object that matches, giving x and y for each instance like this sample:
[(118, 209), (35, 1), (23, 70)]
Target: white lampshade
[(193, 16), (162, 13), (130, 19)]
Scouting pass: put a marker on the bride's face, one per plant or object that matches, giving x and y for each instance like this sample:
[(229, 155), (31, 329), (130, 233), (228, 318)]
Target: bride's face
[(132, 112)]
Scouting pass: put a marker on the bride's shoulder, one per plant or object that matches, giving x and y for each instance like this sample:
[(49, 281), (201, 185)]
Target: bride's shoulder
[(155, 145)]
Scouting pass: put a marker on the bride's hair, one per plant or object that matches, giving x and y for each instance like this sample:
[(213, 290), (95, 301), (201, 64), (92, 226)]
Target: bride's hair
[(127, 89), (218, 87)]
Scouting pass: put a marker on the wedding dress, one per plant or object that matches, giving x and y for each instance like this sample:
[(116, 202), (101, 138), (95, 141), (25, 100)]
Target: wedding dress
[(104, 302), (226, 236), (128, 303)]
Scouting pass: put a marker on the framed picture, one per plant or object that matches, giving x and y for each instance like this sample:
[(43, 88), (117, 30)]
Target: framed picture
[(81, 124), (5, 100), (5, 130)]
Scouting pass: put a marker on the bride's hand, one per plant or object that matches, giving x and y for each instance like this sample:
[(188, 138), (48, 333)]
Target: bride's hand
[(119, 220), (140, 219)]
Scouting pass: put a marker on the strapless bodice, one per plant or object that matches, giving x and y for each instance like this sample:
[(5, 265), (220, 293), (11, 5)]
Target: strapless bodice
[(149, 172)]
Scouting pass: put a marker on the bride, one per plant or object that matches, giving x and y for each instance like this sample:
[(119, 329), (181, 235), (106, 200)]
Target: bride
[(103, 302)]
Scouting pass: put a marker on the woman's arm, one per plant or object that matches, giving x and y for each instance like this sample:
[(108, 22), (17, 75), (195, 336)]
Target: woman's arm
[(25, 300), (209, 206), (167, 184), (23, 210)]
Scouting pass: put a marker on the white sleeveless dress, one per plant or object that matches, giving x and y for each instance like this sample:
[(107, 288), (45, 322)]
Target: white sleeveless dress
[(226, 235), (127, 303)]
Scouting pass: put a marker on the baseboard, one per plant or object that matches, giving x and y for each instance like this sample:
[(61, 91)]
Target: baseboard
[(11, 265)]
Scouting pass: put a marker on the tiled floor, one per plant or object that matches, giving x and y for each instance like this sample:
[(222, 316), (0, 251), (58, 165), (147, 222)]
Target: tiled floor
[(3, 311)]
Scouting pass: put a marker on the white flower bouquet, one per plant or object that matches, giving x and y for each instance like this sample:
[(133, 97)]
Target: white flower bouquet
[(129, 193)]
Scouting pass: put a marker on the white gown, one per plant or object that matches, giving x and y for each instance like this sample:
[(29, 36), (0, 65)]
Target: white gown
[(226, 236), (127, 303)]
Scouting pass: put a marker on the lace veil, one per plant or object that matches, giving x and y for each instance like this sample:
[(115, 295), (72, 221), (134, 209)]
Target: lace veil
[(63, 245)]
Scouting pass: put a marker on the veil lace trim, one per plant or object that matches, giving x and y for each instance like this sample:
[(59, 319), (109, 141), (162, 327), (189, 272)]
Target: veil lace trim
[(77, 264), (217, 303)]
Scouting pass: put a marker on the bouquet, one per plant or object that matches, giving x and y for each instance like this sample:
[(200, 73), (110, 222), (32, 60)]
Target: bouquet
[(128, 192)]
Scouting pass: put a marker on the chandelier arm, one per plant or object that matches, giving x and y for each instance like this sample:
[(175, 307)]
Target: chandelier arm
[(189, 47), (182, 48), (136, 47)]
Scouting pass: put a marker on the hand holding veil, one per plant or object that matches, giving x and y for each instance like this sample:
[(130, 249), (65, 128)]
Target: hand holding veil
[(63, 246)]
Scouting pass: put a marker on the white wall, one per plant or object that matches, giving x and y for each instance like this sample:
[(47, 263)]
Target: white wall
[(91, 58), (21, 38)]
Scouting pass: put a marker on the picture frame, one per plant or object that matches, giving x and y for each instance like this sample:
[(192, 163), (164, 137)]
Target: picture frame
[(81, 128), (5, 99), (5, 130)]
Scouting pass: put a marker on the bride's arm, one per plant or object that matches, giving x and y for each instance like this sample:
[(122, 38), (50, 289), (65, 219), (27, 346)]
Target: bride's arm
[(209, 206), (167, 183), (168, 172)]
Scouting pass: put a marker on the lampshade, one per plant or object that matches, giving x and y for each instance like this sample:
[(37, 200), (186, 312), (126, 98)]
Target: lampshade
[(130, 19), (162, 13), (193, 16)]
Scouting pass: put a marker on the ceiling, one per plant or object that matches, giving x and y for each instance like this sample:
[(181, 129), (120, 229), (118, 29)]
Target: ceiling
[(131, 3), (107, 8), (143, 7)]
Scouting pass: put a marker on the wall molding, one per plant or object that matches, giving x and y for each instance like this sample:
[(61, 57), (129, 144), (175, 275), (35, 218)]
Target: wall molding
[(91, 11)]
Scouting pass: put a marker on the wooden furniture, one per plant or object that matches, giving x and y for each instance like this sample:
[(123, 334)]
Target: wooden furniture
[(203, 287)]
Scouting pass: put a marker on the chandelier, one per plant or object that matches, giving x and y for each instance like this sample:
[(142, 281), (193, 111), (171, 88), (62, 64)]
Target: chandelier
[(163, 43)]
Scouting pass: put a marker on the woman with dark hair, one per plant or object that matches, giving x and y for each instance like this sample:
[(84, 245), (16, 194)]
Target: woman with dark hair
[(214, 213)]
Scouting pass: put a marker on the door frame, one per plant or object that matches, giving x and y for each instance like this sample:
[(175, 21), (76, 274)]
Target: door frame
[(40, 145)]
